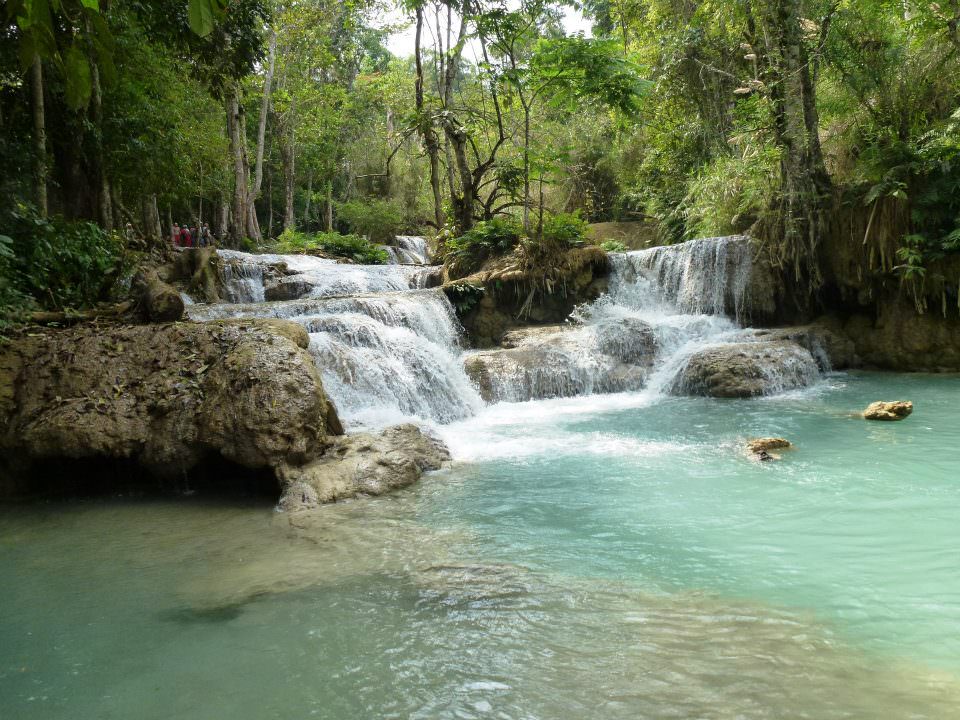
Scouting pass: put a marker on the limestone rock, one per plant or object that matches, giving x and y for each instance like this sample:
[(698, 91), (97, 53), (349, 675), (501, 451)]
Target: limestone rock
[(896, 410), (363, 464), (564, 360), (759, 445), (747, 369), (830, 347), (292, 287), (163, 397)]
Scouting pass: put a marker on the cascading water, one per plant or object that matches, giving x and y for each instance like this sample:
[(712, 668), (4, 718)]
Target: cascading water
[(408, 250), (662, 305), (388, 350)]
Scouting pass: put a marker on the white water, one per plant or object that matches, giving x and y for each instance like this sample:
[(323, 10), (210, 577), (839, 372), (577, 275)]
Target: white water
[(389, 351), (408, 250), (245, 276)]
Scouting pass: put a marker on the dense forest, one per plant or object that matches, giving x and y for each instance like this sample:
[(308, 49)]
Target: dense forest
[(290, 125)]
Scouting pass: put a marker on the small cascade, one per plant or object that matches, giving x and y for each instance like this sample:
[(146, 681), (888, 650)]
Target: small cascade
[(382, 356), (408, 250), (248, 277), (705, 276)]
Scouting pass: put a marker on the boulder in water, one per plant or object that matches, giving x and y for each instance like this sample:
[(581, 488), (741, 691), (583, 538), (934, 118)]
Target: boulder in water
[(747, 369), (363, 464), (895, 410), (830, 347), (761, 445), (293, 287)]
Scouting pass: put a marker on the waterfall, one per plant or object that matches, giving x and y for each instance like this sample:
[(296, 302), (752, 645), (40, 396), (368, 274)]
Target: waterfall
[(389, 348), (705, 276), (248, 277), (408, 250)]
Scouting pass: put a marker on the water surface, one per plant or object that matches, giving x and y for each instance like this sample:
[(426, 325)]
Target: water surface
[(610, 556)]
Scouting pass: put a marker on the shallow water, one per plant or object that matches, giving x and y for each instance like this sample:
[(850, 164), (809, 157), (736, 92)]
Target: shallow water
[(608, 556)]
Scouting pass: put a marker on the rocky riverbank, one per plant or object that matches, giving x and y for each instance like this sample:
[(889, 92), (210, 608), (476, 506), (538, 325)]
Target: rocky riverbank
[(165, 400)]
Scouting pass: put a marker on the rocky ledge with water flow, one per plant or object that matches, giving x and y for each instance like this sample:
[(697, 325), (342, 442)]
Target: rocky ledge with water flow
[(565, 360), (164, 399)]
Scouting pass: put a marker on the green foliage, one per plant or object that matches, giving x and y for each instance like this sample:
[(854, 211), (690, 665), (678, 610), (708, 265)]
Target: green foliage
[(730, 193), (463, 297), (484, 240), (12, 301), (352, 247), (60, 264), (566, 229), (379, 220), (613, 246)]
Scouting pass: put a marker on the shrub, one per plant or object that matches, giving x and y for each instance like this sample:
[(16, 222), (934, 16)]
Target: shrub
[(484, 240), (613, 246), (567, 229), (379, 220), (353, 247), (13, 302), (57, 263)]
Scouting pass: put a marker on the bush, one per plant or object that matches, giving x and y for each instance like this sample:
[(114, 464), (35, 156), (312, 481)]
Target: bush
[(57, 264), (353, 247), (564, 229), (613, 246), (379, 220), (484, 240)]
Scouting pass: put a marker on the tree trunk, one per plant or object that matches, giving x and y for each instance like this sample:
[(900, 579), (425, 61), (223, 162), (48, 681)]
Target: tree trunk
[(526, 169), (329, 209), (39, 138), (806, 191), (262, 126), (104, 208), (430, 142), (240, 210), (152, 230), (288, 157), (306, 208)]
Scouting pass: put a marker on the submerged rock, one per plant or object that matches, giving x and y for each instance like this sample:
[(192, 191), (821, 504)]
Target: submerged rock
[(363, 464), (896, 410), (749, 369), (164, 397)]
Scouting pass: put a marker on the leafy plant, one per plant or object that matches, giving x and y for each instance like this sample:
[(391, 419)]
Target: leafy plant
[(463, 297), (379, 220), (484, 240), (567, 229), (62, 264), (352, 247), (613, 246)]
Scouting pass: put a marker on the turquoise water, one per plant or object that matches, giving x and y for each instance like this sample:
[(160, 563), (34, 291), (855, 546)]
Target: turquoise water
[(610, 556)]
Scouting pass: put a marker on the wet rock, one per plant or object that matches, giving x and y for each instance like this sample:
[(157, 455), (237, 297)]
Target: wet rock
[(749, 369), (564, 360), (163, 397), (896, 410), (759, 445), (363, 464), (830, 347), (292, 287)]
